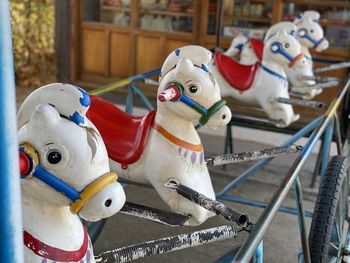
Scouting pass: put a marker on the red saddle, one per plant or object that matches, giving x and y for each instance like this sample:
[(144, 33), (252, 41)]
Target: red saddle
[(239, 76), (124, 135), (258, 47)]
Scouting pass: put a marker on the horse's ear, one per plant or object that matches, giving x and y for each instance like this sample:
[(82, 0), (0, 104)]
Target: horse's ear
[(282, 33), (45, 115), (312, 14), (184, 65)]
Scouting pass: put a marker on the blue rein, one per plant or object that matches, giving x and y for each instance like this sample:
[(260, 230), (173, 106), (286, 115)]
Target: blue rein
[(206, 113), (193, 104), (45, 176), (303, 33), (56, 183), (274, 73), (277, 48)]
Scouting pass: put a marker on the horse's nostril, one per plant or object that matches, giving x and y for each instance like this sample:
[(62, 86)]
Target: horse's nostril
[(108, 202), (223, 116)]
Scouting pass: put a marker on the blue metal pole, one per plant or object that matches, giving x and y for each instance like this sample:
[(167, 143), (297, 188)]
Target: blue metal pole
[(129, 105), (11, 235), (259, 253), (301, 219), (252, 170), (327, 146), (261, 204), (146, 102)]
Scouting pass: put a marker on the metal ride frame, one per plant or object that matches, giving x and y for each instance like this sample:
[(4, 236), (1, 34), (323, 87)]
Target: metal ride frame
[(327, 125), (11, 238)]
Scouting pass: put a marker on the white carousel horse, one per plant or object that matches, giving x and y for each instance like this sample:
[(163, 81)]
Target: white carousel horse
[(310, 35), (164, 145), (65, 172), (251, 50), (262, 83)]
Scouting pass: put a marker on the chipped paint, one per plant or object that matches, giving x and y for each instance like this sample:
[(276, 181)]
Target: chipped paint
[(167, 244), (211, 205), (254, 155)]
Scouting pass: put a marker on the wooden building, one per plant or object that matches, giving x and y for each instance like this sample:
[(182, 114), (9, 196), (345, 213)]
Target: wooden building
[(99, 41)]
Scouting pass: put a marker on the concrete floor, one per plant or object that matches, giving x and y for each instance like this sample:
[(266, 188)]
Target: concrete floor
[(281, 242)]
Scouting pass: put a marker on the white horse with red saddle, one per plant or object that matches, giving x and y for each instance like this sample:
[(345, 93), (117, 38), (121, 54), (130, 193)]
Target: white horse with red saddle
[(262, 83), (164, 146), (65, 172), (310, 35)]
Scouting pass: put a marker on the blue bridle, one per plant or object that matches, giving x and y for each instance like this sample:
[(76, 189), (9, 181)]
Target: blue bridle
[(277, 48), (303, 33), (31, 167), (206, 113)]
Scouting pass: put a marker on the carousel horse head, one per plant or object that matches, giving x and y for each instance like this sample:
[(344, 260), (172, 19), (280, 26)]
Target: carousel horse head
[(310, 33), (63, 159), (284, 49), (237, 45), (188, 90), (294, 72), (289, 27)]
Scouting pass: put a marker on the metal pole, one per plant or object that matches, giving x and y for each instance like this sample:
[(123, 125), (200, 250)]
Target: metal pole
[(11, 235), (317, 169), (301, 218), (261, 204), (211, 205), (249, 246), (220, 10), (340, 65), (326, 148), (337, 134), (253, 156), (123, 82), (252, 170), (167, 244), (303, 103), (153, 214)]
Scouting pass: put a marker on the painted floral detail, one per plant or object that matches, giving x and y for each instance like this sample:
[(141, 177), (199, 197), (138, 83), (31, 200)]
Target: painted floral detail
[(201, 158), (193, 157), (185, 153)]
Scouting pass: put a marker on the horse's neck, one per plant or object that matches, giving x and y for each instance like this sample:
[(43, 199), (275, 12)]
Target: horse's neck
[(177, 126), (305, 51), (52, 224), (272, 65)]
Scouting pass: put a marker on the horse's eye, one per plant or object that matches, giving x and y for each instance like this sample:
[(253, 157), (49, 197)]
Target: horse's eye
[(311, 31), (286, 45), (54, 157), (193, 88)]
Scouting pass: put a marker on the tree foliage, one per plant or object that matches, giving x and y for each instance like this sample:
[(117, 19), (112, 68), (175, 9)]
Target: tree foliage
[(33, 26)]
